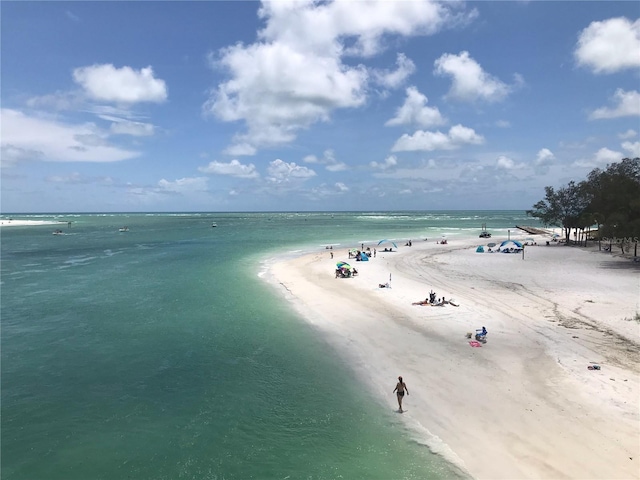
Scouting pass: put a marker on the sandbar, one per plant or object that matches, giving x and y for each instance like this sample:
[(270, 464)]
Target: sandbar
[(29, 223), (528, 403)]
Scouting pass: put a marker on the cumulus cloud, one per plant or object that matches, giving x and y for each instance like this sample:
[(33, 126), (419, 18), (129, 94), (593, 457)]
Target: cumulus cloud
[(609, 46), (328, 160), (127, 85), (234, 169), (628, 134), (628, 105), (184, 185), (27, 137), (601, 158), (469, 81), (633, 148), (280, 172), (429, 141), (394, 79), (389, 162), (415, 112), (341, 187), (544, 157), (240, 150), (326, 190), (295, 76), (506, 163)]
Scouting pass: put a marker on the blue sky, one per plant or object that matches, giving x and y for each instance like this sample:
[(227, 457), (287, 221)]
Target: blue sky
[(344, 105)]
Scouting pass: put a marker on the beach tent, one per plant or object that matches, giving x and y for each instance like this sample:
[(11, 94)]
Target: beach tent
[(389, 241), (363, 257), (510, 246), (480, 249)]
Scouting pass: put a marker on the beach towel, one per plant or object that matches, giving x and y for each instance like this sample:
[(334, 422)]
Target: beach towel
[(474, 343)]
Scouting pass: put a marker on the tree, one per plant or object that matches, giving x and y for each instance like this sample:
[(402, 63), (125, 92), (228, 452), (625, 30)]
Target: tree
[(562, 208), (615, 197)]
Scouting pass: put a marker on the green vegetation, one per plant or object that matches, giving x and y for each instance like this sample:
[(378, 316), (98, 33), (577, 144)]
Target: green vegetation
[(608, 199)]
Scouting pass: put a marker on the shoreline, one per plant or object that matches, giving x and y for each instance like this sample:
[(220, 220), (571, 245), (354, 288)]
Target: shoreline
[(523, 405), (30, 223)]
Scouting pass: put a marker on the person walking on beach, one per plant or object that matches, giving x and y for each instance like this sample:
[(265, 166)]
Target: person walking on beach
[(401, 387)]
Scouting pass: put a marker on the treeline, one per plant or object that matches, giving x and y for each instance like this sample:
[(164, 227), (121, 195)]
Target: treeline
[(608, 199)]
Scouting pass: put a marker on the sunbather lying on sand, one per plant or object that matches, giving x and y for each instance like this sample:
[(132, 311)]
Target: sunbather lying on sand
[(422, 302)]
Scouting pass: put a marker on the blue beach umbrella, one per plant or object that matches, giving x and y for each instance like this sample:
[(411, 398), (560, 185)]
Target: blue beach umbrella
[(392, 243), (508, 242)]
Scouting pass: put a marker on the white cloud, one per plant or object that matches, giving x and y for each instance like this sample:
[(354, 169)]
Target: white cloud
[(317, 26), (389, 162), (506, 163), (470, 81), (57, 101), (108, 83), (283, 172), (328, 160), (429, 141), (394, 79), (136, 129), (294, 76), (77, 178), (415, 112), (240, 150), (628, 106), (325, 190), (27, 137), (503, 124), (633, 148), (341, 187), (544, 157), (609, 46), (234, 169), (278, 90), (601, 158), (628, 134), (184, 185)]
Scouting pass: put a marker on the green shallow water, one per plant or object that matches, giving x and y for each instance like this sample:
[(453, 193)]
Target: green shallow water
[(160, 353)]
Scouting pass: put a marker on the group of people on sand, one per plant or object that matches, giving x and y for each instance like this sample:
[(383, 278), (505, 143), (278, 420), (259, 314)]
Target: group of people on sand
[(359, 254), (434, 301), (344, 272)]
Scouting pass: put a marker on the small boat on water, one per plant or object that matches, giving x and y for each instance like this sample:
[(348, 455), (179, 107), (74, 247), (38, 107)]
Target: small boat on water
[(123, 229), (214, 224)]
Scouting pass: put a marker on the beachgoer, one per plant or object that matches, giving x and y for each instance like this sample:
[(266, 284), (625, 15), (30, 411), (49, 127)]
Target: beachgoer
[(401, 387), (331, 254)]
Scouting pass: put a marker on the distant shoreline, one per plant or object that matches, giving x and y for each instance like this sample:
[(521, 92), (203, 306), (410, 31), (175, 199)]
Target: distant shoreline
[(30, 223)]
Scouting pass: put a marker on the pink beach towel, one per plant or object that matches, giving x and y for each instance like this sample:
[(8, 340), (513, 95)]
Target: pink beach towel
[(474, 343)]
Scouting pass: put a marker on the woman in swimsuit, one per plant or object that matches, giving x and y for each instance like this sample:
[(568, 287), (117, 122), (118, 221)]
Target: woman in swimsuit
[(401, 387)]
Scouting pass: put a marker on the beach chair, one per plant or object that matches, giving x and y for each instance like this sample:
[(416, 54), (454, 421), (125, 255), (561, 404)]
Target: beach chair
[(481, 335)]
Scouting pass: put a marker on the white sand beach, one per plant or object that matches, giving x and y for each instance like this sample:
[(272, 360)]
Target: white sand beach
[(29, 223), (524, 404)]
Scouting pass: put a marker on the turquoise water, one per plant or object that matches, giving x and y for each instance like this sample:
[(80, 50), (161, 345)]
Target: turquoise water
[(160, 353)]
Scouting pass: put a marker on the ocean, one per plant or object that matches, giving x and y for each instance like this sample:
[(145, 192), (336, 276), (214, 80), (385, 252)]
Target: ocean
[(163, 353)]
